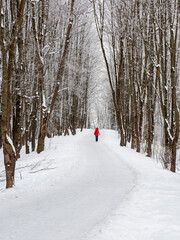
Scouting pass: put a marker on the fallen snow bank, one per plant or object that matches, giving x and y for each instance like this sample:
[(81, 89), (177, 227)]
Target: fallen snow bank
[(40, 171), (152, 210)]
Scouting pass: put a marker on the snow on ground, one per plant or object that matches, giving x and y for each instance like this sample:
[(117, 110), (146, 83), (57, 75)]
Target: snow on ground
[(82, 190), (152, 210)]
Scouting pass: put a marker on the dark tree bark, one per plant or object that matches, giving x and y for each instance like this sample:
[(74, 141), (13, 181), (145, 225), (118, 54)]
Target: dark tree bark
[(8, 63)]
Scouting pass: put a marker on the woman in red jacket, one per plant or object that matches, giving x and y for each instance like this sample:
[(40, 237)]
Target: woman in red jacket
[(96, 133)]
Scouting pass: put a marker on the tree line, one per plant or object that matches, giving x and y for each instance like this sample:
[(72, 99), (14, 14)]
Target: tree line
[(46, 68), (48, 60), (140, 43)]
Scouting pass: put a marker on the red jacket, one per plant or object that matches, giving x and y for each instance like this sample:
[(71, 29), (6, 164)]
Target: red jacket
[(96, 132)]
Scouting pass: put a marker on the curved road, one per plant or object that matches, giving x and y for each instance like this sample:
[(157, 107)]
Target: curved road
[(95, 188)]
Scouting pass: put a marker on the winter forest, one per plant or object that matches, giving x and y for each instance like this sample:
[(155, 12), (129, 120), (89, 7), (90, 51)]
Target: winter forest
[(75, 64)]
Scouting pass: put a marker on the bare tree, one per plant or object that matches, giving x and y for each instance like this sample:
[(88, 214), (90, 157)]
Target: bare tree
[(8, 56), (45, 115)]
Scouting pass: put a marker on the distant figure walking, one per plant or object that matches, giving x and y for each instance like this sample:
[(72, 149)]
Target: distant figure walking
[(96, 133)]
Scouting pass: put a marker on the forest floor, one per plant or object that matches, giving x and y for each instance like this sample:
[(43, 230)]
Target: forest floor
[(79, 189)]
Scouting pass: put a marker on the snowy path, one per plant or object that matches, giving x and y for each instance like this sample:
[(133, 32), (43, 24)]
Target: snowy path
[(72, 206)]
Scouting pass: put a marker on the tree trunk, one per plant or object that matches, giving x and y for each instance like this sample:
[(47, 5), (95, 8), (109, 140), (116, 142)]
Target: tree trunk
[(44, 115), (173, 157), (41, 142), (0, 132), (9, 162)]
